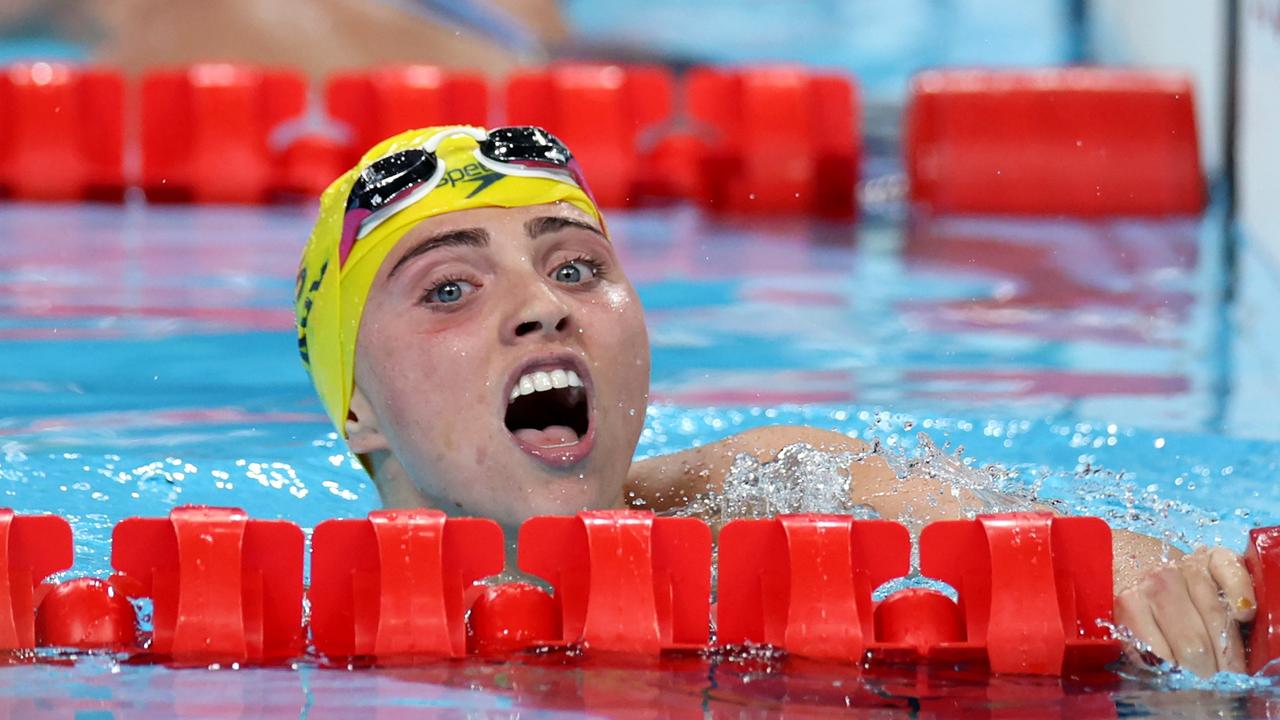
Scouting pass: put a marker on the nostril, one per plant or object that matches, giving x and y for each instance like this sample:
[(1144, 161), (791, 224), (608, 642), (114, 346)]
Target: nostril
[(525, 328), (560, 326)]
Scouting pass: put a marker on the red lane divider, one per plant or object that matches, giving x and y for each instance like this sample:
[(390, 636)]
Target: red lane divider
[(804, 582), (1262, 557), (783, 140), (32, 547), (1033, 589), (223, 587), (377, 104), (392, 585), (601, 112), (1077, 141), (61, 132), (206, 131), (626, 581)]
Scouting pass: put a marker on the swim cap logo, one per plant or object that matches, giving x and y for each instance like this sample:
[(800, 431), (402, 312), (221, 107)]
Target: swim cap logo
[(473, 172), (303, 307)]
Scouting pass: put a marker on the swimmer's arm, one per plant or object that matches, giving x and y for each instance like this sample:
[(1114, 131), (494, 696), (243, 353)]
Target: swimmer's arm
[(671, 481)]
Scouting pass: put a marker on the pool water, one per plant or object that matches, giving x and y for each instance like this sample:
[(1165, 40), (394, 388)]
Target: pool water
[(1112, 366)]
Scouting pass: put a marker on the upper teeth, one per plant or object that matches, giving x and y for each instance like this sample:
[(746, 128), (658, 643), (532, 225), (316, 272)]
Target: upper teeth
[(539, 381)]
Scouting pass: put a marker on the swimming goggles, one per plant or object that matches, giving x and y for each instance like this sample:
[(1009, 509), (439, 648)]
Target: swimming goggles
[(401, 179)]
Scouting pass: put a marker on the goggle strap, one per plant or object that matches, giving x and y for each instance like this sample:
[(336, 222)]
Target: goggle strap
[(523, 171), (433, 142)]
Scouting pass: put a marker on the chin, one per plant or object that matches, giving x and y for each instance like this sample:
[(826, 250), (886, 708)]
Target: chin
[(565, 493)]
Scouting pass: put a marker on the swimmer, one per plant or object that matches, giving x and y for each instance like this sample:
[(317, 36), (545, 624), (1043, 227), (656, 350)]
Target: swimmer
[(471, 333)]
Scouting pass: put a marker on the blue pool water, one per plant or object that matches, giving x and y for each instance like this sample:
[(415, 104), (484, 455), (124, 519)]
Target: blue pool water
[(149, 360)]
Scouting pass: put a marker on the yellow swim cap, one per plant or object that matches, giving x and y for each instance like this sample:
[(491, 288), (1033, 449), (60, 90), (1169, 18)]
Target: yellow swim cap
[(399, 182)]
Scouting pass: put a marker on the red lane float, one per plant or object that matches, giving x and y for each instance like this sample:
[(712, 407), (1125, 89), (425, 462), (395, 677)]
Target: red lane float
[(511, 617), (376, 104), (1034, 590), (86, 614), (602, 112), (207, 131), (1076, 141), (783, 140), (626, 581), (223, 587), (32, 547), (310, 163), (61, 132), (804, 582), (393, 585), (1262, 557)]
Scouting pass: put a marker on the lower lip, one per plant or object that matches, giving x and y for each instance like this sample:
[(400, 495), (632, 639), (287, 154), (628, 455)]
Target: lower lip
[(561, 456)]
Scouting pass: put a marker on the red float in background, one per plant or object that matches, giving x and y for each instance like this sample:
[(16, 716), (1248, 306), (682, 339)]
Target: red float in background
[(376, 104), (1262, 557), (223, 587), (778, 140), (1077, 141), (507, 618), (32, 547), (310, 163), (1032, 588), (625, 580), (602, 112), (207, 131), (87, 614), (804, 582), (61, 132), (393, 585)]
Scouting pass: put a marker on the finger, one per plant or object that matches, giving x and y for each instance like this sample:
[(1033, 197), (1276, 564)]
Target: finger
[(1179, 621), (1233, 577), (1134, 612), (1213, 611)]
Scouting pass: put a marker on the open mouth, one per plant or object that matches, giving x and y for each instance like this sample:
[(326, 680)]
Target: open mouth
[(549, 413)]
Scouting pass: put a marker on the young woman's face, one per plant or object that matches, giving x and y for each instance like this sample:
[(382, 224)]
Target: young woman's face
[(504, 356)]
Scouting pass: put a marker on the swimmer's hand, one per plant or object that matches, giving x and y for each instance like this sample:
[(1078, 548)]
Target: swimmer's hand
[(1189, 611)]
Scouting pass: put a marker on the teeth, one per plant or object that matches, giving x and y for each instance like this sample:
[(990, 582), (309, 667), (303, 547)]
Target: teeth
[(540, 381)]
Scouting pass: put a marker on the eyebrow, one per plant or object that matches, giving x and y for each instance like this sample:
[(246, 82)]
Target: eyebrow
[(553, 223), (466, 237)]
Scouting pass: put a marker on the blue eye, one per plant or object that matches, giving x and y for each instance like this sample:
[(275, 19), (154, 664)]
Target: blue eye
[(448, 292), (576, 271)]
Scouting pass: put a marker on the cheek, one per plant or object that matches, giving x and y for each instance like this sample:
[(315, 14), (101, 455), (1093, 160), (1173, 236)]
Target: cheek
[(623, 324), (427, 377)]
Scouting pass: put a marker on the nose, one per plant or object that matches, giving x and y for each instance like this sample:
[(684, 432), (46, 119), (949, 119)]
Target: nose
[(539, 313)]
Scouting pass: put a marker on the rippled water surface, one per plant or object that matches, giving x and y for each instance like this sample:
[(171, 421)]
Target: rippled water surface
[(149, 360)]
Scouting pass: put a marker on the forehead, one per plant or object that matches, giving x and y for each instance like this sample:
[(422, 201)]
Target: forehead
[(500, 222)]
